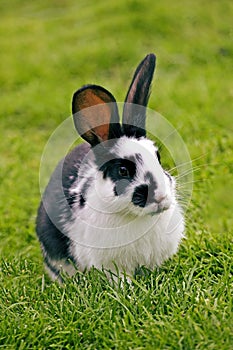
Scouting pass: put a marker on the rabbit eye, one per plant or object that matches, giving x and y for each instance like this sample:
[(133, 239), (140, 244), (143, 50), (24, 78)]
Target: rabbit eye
[(123, 171)]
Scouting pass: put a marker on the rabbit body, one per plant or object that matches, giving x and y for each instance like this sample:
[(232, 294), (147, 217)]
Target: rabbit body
[(110, 203)]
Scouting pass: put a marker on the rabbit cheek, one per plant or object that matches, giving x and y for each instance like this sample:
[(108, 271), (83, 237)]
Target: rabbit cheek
[(121, 186)]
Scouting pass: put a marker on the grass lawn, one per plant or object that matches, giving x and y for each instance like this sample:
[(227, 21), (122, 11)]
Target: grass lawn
[(48, 50)]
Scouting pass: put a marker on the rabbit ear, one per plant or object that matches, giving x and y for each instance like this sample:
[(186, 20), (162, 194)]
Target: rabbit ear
[(134, 117), (99, 123)]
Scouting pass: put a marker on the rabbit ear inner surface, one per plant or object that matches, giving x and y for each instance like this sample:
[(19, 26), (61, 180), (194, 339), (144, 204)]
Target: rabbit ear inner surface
[(95, 114), (134, 119)]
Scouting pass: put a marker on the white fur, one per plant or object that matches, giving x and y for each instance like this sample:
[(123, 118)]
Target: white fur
[(110, 230)]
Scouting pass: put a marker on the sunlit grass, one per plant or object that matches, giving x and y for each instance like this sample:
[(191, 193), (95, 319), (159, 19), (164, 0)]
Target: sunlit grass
[(48, 50)]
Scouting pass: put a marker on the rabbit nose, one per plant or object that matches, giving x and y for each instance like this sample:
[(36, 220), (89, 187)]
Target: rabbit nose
[(159, 196)]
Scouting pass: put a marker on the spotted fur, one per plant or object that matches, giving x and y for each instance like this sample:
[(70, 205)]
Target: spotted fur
[(110, 203)]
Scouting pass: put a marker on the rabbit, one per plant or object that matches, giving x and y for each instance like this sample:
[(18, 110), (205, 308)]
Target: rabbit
[(109, 203)]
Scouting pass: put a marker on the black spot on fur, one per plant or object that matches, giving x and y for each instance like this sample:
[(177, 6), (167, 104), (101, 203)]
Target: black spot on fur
[(144, 194), (55, 243), (152, 183), (71, 199), (136, 158), (75, 197), (70, 171), (82, 201), (140, 195), (82, 196), (158, 156)]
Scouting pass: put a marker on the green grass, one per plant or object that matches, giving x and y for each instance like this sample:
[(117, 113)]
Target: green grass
[(48, 50)]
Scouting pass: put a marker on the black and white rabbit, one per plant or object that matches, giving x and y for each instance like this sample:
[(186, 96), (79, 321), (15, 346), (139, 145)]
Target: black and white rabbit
[(109, 203)]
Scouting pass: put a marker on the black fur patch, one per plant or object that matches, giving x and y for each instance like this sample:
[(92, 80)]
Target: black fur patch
[(55, 243), (82, 196), (136, 158), (71, 198), (82, 201), (144, 194), (70, 170), (158, 156), (75, 197), (152, 186), (140, 195), (152, 183)]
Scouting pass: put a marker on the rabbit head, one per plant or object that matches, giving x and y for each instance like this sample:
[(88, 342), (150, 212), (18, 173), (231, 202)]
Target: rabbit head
[(122, 171)]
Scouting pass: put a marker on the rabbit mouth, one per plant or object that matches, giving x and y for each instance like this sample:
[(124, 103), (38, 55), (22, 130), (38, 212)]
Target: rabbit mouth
[(160, 210), (150, 210)]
